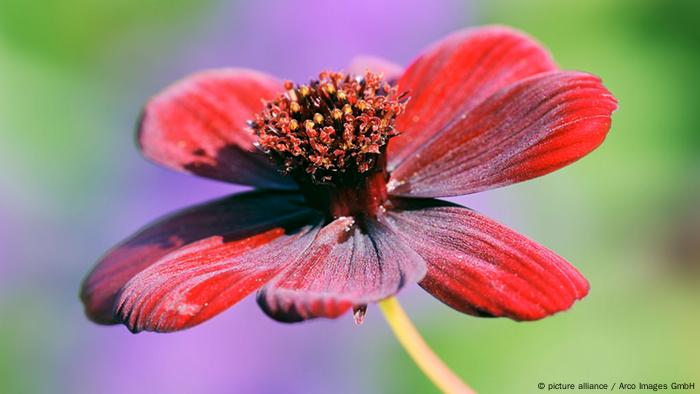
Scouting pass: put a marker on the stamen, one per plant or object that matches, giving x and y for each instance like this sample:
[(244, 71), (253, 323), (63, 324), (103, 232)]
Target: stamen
[(347, 122)]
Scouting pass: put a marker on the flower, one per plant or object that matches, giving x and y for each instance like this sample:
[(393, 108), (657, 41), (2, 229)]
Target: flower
[(347, 169)]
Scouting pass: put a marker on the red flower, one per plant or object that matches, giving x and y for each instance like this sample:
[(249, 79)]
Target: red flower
[(345, 214)]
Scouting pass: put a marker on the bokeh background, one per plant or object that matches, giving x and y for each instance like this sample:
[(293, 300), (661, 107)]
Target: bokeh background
[(74, 74)]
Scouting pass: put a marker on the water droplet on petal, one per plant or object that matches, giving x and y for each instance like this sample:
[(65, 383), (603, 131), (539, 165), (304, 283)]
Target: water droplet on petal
[(359, 312)]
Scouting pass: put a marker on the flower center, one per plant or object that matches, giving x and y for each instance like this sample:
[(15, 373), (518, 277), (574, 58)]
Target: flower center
[(331, 131), (331, 136)]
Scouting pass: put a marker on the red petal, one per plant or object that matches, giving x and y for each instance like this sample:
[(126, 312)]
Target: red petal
[(361, 64), (456, 74), (199, 125), (528, 129), (238, 216), (195, 283), (482, 268), (347, 265)]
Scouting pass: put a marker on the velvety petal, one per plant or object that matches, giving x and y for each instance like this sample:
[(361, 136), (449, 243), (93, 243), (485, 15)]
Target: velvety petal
[(455, 75), (361, 64), (199, 125), (482, 268), (528, 129), (348, 264), (238, 216), (195, 283)]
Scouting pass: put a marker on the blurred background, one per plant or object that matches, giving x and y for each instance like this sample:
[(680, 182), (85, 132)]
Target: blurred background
[(74, 74)]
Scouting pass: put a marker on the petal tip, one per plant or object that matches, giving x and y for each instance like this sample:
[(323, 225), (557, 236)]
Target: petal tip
[(279, 308)]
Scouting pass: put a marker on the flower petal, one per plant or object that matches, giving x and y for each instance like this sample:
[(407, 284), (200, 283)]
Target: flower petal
[(348, 264), (482, 268), (361, 64), (239, 215), (198, 125), (197, 282), (455, 75), (526, 130)]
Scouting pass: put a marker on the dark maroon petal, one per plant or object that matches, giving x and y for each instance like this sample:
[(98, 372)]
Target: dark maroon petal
[(482, 268), (237, 216), (348, 264), (526, 130), (199, 125), (455, 75), (197, 282), (361, 64)]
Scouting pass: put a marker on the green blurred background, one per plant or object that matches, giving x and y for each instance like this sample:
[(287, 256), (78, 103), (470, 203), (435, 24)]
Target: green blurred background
[(74, 73)]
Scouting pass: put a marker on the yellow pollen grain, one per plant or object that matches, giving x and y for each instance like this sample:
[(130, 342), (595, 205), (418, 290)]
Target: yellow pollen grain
[(318, 118), (304, 90), (309, 124), (336, 114), (362, 105), (294, 106), (293, 124), (347, 109), (341, 95)]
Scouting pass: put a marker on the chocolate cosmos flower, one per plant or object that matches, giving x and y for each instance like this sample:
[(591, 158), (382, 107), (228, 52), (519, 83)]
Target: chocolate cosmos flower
[(346, 169)]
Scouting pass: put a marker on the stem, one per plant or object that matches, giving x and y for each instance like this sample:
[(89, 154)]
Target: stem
[(420, 352)]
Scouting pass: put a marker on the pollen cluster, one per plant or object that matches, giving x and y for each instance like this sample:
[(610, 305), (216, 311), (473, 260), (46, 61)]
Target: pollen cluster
[(333, 130)]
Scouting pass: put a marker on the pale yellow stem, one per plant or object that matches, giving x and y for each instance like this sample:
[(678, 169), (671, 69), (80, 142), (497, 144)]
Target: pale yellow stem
[(427, 361)]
